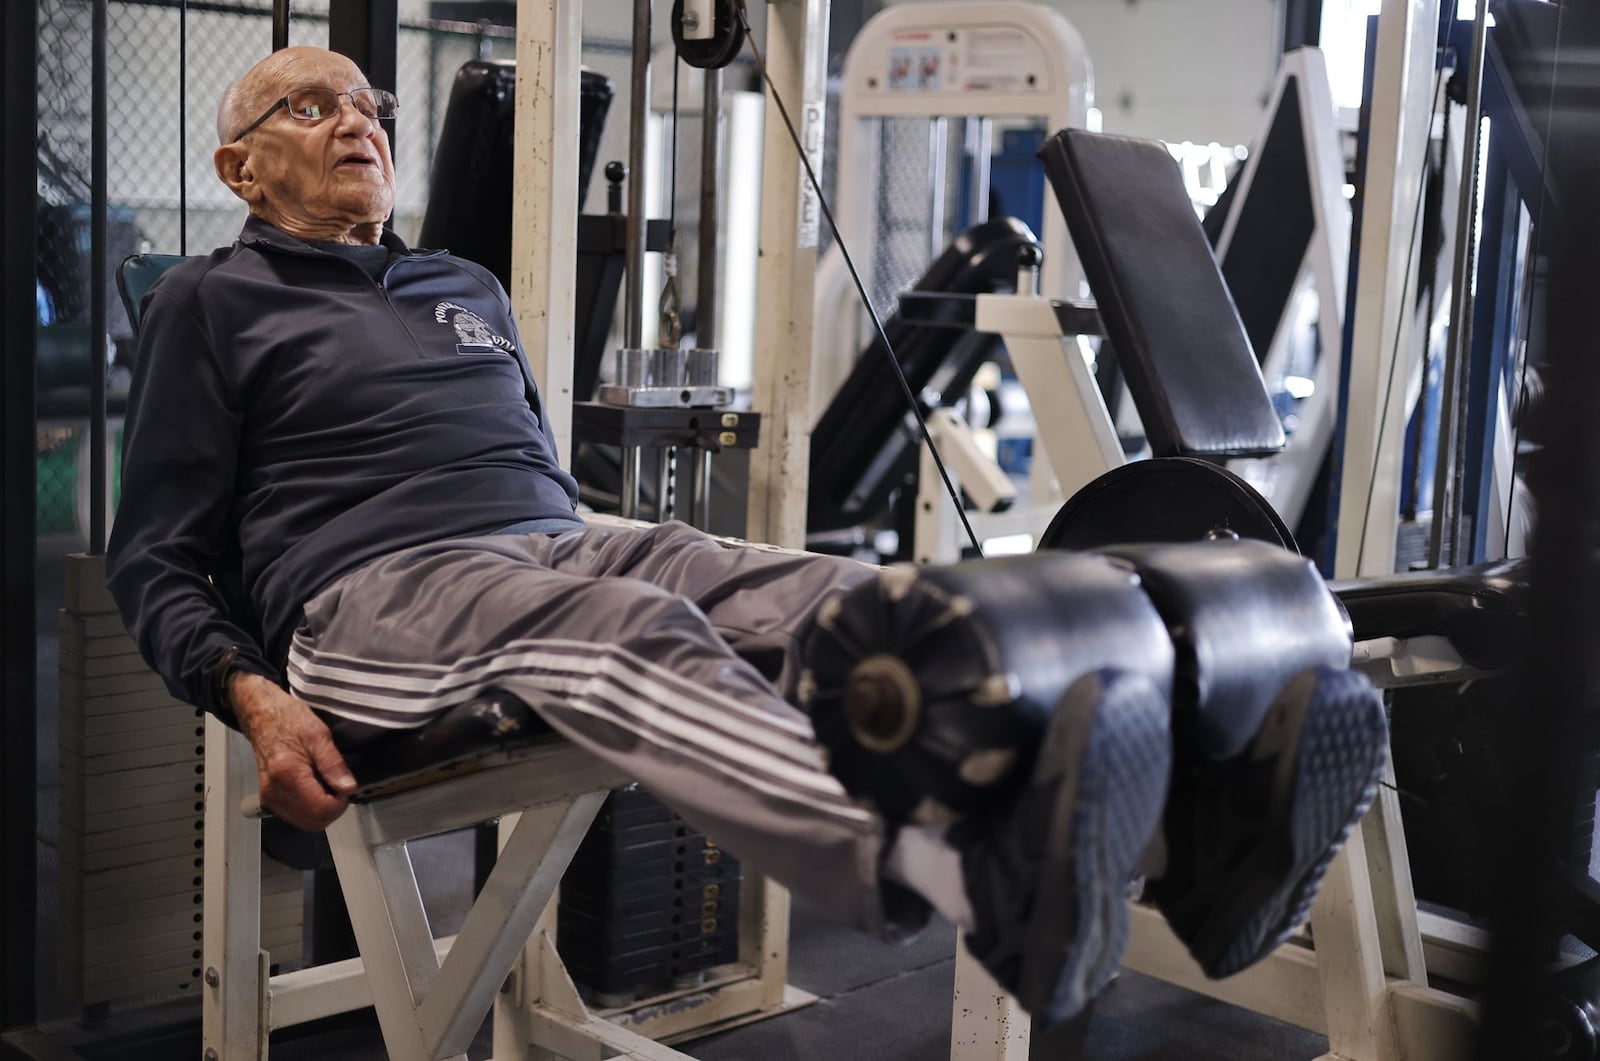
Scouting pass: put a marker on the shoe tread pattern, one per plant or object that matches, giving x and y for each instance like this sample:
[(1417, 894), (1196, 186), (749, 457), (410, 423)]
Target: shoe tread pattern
[(1342, 752), (1117, 806)]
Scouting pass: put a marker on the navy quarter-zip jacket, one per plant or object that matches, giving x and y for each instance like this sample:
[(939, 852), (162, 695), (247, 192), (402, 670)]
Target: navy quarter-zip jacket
[(290, 419)]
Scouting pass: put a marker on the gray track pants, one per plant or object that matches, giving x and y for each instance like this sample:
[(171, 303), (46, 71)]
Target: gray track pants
[(656, 649)]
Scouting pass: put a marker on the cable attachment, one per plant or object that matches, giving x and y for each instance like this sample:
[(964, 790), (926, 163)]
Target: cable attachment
[(708, 34), (671, 323), (913, 407)]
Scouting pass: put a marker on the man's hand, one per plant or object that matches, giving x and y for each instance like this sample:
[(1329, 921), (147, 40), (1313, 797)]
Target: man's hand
[(304, 779)]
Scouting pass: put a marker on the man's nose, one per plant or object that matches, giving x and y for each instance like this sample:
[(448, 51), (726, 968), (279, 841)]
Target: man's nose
[(351, 121)]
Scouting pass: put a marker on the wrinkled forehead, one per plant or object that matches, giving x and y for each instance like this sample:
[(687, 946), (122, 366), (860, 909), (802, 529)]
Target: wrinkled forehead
[(286, 72)]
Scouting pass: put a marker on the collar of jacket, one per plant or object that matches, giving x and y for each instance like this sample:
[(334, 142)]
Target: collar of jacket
[(259, 233)]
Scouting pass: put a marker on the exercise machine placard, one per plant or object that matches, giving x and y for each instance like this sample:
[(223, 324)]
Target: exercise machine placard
[(971, 59)]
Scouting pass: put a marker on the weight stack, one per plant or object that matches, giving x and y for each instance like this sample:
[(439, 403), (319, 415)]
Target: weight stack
[(131, 841), (648, 904)]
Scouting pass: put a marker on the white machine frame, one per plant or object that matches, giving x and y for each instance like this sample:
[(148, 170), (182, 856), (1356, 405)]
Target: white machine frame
[(1286, 479), (1051, 80)]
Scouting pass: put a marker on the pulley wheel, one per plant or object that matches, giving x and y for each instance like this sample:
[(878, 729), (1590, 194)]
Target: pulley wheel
[(1165, 499), (719, 49)]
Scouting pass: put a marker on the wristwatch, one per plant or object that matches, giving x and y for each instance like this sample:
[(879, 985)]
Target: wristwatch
[(221, 671)]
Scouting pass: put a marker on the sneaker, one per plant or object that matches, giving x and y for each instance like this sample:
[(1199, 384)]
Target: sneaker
[(1047, 877), (1249, 839)]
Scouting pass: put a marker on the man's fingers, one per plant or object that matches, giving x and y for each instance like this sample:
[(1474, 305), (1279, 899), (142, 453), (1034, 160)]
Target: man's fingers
[(331, 765), (295, 794)]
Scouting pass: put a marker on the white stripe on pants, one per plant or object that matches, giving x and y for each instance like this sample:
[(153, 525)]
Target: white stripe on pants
[(655, 649)]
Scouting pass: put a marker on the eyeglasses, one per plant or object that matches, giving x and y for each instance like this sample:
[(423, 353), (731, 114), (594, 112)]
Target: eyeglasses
[(315, 104)]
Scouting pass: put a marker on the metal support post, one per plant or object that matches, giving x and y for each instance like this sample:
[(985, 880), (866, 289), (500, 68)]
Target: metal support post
[(796, 54), (235, 1025), (988, 1024), (544, 198), (280, 24), (18, 723), (702, 490), (706, 307), (632, 466), (1445, 545), (368, 31), (1397, 147), (97, 280), (634, 234)]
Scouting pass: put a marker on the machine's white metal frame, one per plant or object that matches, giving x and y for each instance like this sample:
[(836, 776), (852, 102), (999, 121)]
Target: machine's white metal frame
[(1062, 94), (1051, 53), (1286, 479)]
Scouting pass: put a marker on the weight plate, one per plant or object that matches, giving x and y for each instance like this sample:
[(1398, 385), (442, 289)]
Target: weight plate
[(716, 51), (1164, 499)]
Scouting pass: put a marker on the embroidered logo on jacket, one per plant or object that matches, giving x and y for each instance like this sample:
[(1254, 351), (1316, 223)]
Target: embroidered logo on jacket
[(473, 332)]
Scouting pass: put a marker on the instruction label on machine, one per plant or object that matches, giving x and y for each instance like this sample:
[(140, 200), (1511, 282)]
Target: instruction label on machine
[(967, 59)]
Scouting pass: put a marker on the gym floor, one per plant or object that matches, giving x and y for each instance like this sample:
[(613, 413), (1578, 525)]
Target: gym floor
[(876, 1002)]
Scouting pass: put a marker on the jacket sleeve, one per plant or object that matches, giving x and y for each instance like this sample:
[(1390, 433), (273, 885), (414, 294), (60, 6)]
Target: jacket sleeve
[(172, 529)]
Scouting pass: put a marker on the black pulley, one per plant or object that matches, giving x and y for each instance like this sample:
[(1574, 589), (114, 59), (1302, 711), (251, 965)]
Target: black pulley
[(1164, 499), (719, 49)]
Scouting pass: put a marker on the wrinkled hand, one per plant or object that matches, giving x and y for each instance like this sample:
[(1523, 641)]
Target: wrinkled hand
[(304, 779)]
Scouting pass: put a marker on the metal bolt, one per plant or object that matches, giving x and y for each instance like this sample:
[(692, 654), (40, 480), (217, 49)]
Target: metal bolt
[(691, 20), (883, 703), (727, 438), (212, 978), (211, 1053), (730, 419)]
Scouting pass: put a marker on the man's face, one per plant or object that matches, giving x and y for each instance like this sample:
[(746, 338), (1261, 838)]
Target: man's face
[(322, 176)]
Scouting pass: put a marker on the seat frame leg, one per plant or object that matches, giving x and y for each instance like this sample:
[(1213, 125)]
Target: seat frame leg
[(234, 1012), (429, 1011)]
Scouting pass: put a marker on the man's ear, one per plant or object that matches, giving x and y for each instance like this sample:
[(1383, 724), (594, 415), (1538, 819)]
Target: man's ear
[(233, 169)]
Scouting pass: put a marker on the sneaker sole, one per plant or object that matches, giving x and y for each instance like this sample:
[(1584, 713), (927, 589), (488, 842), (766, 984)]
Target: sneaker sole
[(1111, 730), (1333, 741)]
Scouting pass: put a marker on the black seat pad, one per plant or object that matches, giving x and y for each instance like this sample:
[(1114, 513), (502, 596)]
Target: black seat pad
[(471, 735)]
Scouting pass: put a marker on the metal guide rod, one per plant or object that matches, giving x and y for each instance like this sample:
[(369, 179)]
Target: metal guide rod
[(183, 127), (702, 491), (1444, 540), (938, 148), (705, 307), (633, 242), (97, 282), (280, 24), (632, 461)]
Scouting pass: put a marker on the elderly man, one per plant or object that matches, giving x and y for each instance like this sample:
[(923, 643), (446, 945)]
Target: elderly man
[(348, 428)]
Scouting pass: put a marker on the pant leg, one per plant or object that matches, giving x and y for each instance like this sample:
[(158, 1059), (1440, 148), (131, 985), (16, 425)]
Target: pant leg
[(759, 600), (622, 667)]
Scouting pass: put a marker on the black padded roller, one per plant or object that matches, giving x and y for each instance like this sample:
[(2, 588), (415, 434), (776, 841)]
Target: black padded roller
[(931, 687), (1245, 616)]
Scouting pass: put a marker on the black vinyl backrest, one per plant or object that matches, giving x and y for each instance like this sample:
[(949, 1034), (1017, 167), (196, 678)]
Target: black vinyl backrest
[(1161, 297), (136, 275)]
